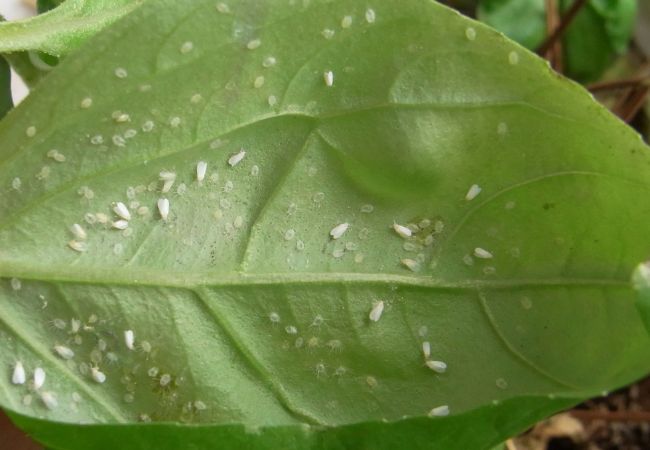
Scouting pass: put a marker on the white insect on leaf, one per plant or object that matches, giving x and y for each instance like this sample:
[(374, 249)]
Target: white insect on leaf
[(473, 192), (18, 376), (439, 411), (426, 349), (78, 246), (411, 264), (78, 231), (39, 378), (121, 210), (482, 253), (376, 311), (49, 400), (64, 352), (339, 230), (370, 15), (168, 179), (97, 375), (201, 168), (120, 224), (437, 366), (255, 43), (328, 76), (129, 339), (237, 158), (163, 208), (403, 231)]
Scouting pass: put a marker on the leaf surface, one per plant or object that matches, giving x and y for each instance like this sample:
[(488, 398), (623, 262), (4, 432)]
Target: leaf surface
[(251, 323)]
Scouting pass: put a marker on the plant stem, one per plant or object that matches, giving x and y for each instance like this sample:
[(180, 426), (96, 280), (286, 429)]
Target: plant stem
[(561, 28)]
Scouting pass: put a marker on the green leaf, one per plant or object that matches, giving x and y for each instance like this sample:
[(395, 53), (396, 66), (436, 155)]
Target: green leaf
[(46, 5), (521, 20), (486, 423), (64, 28), (603, 28), (641, 281), (6, 102), (30, 66), (251, 323)]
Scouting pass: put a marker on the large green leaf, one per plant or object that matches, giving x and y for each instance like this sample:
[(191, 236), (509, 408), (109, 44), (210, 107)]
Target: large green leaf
[(251, 323), (64, 28)]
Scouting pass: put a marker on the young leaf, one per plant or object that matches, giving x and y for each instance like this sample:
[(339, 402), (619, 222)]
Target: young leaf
[(63, 28), (235, 308)]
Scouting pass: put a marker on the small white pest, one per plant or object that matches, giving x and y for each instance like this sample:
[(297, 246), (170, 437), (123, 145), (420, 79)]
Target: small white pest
[(411, 264), (328, 33), (223, 8), (339, 230), (274, 317), (473, 192), (346, 22), (86, 103), (165, 379), (186, 47), (78, 231), (18, 376), (163, 208), (402, 230), (376, 311), (439, 411), (252, 45), (370, 15), (269, 61), (16, 284), (122, 211), (201, 168), (30, 131), (259, 82), (39, 378), (168, 179), (482, 253), (77, 246), (129, 339), (120, 224), (236, 158), (64, 352), (49, 400), (75, 325), (470, 33), (121, 72), (426, 349), (437, 366), (97, 375), (328, 76)]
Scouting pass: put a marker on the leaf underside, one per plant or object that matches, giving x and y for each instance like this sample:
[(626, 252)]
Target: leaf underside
[(249, 319)]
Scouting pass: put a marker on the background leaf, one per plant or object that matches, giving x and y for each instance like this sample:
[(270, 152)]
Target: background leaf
[(602, 29), (6, 102), (64, 28), (248, 317)]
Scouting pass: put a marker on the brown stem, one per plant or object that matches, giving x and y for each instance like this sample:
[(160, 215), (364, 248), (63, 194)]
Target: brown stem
[(561, 28), (554, 53), (631, 105), (619, 84)]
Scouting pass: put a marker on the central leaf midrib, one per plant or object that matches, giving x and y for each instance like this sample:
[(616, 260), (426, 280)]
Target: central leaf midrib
[(192, 280)]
